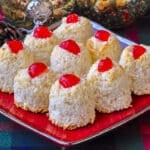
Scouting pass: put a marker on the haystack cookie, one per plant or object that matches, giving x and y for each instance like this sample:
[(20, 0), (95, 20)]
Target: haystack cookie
[(104, 44), (70, 57), (32, 86), (74, 27), (111, 86), (70, 103), (13, 56), (41, 43), (135, 59)]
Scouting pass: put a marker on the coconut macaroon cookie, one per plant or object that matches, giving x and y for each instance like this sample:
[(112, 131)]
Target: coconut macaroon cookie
[(74, 27), (70, 57), (13, 57), (111, 86), (136, 61), (31, 87), (104, 44), (70, 103), (41, 42)]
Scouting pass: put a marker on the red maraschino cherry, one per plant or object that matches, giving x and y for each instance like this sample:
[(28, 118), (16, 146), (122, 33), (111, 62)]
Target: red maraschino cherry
[(138, 51), (68, 80), (70, 46), (105, 64), (37, 69), (102, 35), (72, 18), (42, 32), (15, 46)]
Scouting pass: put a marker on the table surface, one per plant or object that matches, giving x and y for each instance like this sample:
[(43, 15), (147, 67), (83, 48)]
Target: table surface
[(134, 135)]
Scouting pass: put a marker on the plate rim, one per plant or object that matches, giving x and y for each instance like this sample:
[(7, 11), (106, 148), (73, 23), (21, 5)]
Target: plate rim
[(68, 144)]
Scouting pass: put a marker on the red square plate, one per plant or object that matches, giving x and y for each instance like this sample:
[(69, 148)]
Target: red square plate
[(40, 124)]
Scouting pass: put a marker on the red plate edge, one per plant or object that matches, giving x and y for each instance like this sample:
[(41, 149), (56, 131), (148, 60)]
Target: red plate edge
[(41, 125)]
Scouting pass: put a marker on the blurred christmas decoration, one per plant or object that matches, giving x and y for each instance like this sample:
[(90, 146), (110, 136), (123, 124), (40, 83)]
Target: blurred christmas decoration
[(15, 10), (9, 32), (39, 11), (113, 13), (1, 16), (110, 13)]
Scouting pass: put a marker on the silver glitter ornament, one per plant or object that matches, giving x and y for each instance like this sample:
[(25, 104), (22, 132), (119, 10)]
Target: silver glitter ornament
[(39, 10)]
